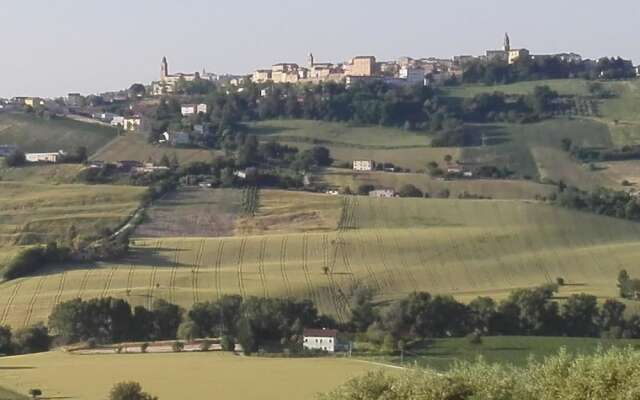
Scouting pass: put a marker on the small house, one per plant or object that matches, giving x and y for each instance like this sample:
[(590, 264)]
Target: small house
[(382, 193), (320, 339), (132, 124), (363, 165), (44, 157), (188, 109)]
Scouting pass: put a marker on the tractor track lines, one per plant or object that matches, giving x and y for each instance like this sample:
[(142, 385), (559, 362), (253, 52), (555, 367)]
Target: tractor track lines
[(173, 274), (60, 291), (261, 272), (10, 301), (84, 282), (33, 300), (152, 281), (217, 274), (195, 272), (109, 280), (241, 251), (283, 265)]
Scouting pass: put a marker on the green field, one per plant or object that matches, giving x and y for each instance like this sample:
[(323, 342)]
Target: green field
[(34, 134), (562, 86), (493, 188), (181, 376), (465, 248), (41, 173), (134, 146), (35, 213), (360, 136), (514, 350), (6, 394)]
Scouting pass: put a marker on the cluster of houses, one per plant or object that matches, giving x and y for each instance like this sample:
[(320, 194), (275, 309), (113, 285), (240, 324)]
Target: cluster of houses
[(132, 166)]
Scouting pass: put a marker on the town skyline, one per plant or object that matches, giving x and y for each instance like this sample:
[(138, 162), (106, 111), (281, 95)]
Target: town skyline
[(217, 39)]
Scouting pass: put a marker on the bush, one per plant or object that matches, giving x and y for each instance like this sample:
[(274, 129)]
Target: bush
[(31, 260), (144, 347), (474, 338), (177, 347), (409, 190), (129, 391), (227, 343)]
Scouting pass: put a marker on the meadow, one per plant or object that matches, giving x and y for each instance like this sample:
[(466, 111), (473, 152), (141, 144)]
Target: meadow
[(134, 146), (489, 188), (464, 248), (441, 354), (178, 376), (360, 136), (34, 213), (562, 86), (34, 134)]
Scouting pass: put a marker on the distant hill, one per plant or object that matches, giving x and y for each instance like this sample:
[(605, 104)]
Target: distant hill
[(35, 134)]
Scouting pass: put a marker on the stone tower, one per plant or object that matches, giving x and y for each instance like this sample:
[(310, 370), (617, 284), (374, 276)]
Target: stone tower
[(310, 60), (164, 69), (507, 42)]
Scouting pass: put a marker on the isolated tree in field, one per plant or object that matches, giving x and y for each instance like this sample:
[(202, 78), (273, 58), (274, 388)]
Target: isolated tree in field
[(129, 391), (325, 270), (448, 158), (35, 393)]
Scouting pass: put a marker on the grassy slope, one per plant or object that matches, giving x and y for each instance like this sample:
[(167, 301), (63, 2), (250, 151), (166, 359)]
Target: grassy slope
[(134, 146), (562, 86), (35, 134), (339, 134), (497, 189), (178, 376), (464, 248), (6, 394), (515, 350)]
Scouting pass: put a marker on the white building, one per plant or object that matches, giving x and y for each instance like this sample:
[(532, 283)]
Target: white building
[(132, 124), (192, 109), (201, 108), (382, 193), (363, 165), (320, 339), (44, 157), (117, 121)]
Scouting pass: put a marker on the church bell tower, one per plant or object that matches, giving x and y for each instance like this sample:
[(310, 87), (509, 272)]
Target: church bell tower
[(164, 69)]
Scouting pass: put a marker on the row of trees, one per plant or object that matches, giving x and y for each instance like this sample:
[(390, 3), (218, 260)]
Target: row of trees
[(603, 201), (527, 69), (252, 322), (32, 339), (524, 312)]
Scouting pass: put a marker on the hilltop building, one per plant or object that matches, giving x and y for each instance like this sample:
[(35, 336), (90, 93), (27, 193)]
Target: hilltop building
[(168, 82)]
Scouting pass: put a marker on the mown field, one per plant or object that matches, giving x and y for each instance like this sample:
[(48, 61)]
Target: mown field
[(360, 136), (492, 188), (442, 354), (134, 146), (562, 86), (33, 213), (465, 248), (182, 376), (33, 134)]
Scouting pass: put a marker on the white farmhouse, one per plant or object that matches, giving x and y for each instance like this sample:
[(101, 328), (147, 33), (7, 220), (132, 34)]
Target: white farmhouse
[(363, 165), (188, 109), (320, 339), (382, 193), (44, 157)]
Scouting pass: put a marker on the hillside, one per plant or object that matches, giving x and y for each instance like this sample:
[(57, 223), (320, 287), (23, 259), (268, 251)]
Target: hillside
[(34, 134), (466, 248)]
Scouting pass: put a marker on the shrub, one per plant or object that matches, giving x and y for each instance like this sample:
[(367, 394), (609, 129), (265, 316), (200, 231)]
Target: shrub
[(474, 338), (144, 347), (177, 346), (227, 343)]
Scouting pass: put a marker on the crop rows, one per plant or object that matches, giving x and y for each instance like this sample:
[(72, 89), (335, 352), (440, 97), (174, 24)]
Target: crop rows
[(250, 201)]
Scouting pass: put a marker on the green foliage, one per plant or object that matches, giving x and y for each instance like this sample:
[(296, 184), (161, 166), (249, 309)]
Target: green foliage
[(409, 190), (17, 158), (31, 260), (605, 375), (129, 391), (227, 343)]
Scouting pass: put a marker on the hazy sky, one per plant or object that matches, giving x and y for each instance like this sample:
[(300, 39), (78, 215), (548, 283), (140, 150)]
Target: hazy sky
[(50, 48)]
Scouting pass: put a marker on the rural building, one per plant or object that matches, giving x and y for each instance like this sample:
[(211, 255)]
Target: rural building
[(132, 124), (413, 76), (363, 165), (188, 109), (201, 108), (382, 193), (44, 157), (517, 54), (149, 167), (261, 76), (167, 83), (117, 120), (320, 339), (128, 165)]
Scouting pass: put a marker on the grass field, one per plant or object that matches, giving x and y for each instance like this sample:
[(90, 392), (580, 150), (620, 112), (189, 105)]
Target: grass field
[(494, 188), (514, 350), (41, 173), (182, 376), (562, 86), (6, 394), (134, 146), (465, 248), (35, 134), (32, 213), (361, 136)]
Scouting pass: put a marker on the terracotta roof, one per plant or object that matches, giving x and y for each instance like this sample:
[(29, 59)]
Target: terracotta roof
[(320, 332)]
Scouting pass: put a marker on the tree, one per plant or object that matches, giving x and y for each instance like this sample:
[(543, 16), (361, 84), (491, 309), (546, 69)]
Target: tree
[(409, 190), (611, 315), (16, 159), (177, 346), (246, 336), (137, 90), (189, 330), (35, 393), (6, 346), (166, 319), (364, 190), (580, 313), (227, 343), (34, 339), (129, 391)]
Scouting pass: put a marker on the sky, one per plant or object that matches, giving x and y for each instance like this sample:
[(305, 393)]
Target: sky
[(50, 48)]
